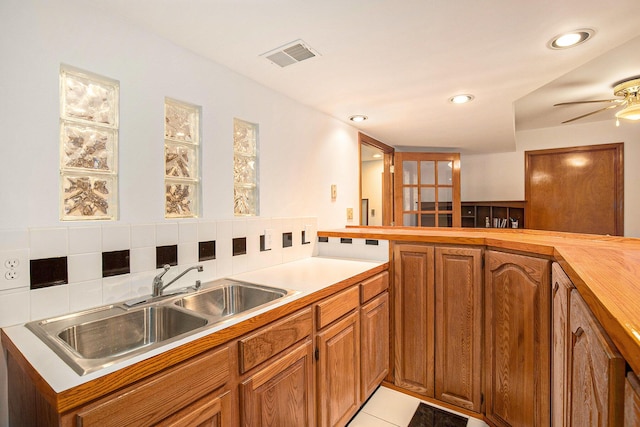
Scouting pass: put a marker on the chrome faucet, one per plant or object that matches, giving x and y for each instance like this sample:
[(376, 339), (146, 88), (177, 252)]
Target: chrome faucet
[(158, 284)]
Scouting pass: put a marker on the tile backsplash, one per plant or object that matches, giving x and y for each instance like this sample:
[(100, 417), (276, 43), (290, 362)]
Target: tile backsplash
[(109, 263)]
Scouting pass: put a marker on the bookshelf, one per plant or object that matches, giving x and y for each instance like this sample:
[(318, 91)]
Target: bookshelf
[(500, 213)]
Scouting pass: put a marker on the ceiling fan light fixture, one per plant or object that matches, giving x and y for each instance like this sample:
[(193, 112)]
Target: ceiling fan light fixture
[(570, 39), (461, 99), (632, 112), (631, 92)]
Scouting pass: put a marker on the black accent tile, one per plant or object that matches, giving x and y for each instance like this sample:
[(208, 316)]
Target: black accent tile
[(428, 416), (166, 255), (239, 246), (262, 244), (115, 263), (371, 242), (287, 240), (346, 240), (48, 272), (206, 250), (304, 238), (323, 239)]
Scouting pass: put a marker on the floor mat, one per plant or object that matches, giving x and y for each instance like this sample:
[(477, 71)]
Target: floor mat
[(428, 416)]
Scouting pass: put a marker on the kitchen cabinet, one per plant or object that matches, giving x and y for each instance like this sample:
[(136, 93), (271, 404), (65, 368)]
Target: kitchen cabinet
[(413, 317), (281, 393), (517, 346), (631, 401), (458, 326), (596, 380), (338, 358), (192, 390), (561, 295), (438, 322), (374, 333)]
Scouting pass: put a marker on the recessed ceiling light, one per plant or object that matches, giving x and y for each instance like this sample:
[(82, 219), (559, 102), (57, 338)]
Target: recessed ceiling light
[(377, 156), (358, 118), (570, 39), (461, 99)]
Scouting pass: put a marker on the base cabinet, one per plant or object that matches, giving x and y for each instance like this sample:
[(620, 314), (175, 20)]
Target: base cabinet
[(374, 347), (631, 401), (596, 378), (438, 322), (339, 371), (210, 411), (280, 394), (517, 362)]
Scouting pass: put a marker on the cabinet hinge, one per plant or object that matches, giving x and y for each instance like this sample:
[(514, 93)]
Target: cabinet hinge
[(392, 169), (317, 354)]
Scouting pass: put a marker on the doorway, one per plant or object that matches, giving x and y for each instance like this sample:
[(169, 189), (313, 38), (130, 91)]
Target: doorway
[(376, 181)]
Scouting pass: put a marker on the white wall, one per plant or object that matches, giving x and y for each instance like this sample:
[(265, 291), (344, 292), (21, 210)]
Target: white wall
[(500, 176), (302, 152)]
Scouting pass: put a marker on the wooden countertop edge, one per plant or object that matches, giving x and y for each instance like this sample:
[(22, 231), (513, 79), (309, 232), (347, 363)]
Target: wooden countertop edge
[(99, 387), (547, 244)]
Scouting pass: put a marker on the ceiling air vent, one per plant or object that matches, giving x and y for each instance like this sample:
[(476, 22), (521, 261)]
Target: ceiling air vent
[(291, 53)]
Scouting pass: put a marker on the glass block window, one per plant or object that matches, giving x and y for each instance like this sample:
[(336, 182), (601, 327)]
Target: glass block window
[(181, 159), (88, 146), (245, 168)]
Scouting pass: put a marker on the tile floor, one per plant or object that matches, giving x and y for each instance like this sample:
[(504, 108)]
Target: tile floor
[(390, 408)]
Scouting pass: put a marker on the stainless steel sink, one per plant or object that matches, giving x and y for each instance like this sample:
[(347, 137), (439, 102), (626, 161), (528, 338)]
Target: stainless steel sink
[(129, 331), (94, 339), (230, 298)]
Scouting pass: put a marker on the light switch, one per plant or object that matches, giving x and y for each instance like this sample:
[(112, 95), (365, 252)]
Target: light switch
[(349, 214), (334, 192)]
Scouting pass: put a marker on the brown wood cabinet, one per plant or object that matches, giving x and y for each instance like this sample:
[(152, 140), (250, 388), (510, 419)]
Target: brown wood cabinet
[(438, 322), (281, 393), (210, 411), (338, 376), (561, 295), (374, 347), (413, 317), (517, 347), (165, 398), (458, 326), (632, 401), (596, 381)]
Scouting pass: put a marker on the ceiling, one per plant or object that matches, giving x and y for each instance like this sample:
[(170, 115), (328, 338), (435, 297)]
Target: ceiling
[(398, 62)]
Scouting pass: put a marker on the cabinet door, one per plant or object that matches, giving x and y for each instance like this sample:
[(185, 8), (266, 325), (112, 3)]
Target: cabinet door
[(281, 394), (631, 401), (374, 347), (561, 291), (413, 302), (597, 371), (210, 411), (458, 327), (339, 371), (517, 348)]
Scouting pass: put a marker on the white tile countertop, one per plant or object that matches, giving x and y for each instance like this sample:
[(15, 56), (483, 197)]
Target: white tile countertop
[(306, 276)]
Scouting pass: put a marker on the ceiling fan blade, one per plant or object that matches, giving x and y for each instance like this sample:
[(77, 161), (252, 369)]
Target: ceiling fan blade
[(589, 114), (588, 102)]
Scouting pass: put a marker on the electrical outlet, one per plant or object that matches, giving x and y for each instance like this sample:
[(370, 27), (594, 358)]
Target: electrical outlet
[(349, 214), (12, 263), (15, 273)]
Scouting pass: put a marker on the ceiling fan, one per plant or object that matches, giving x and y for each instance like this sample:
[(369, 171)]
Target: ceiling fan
[(629, 90)]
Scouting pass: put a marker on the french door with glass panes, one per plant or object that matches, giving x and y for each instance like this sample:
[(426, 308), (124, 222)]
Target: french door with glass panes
[(427, 189)]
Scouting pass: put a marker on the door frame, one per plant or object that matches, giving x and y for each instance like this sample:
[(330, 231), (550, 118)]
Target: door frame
[(387, 175)]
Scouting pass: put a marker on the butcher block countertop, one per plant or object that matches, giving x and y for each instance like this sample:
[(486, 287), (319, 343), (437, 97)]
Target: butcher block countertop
[(604, 269)]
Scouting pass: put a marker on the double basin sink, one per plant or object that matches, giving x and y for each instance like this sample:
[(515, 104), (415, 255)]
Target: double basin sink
[(94, 339)]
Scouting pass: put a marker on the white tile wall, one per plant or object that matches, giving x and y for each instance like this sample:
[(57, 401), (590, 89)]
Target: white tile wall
[(83, 245), (357, 249)]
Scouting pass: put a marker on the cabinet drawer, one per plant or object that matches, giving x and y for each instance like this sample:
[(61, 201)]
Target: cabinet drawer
[(374, 286), (337, 306), (271, 340), (160, 396)]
